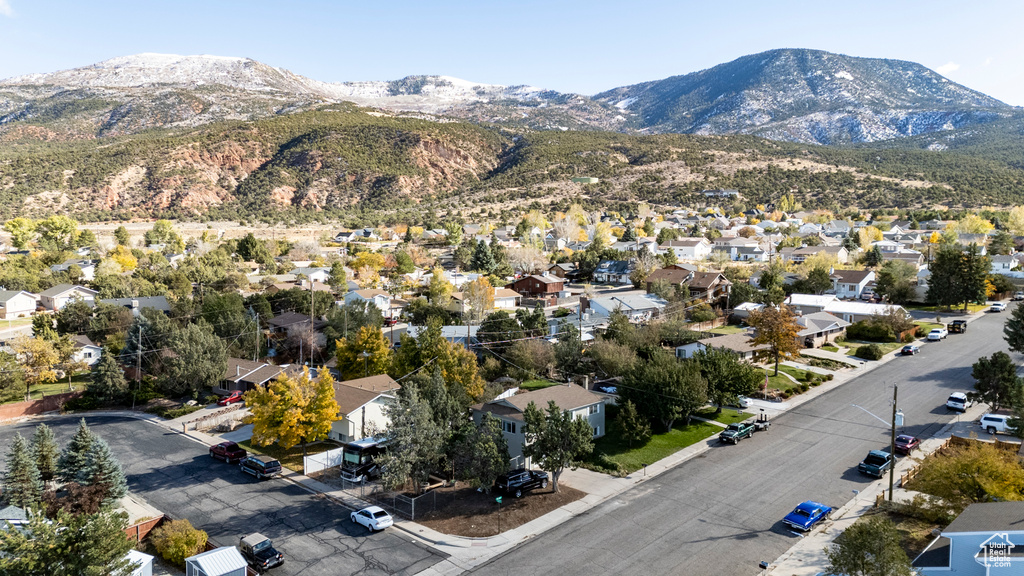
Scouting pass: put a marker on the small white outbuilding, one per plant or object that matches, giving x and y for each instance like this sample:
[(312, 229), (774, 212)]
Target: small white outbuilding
[(223, 561), (143, 563)]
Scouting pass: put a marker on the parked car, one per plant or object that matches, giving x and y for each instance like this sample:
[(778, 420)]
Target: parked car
[(374, 518), (910, 350), (958, 326), (1018, 295), (741, 402), (259, 552), (521, 480), (260, 466), (736, 432), (228, 452), (388, 322), (235, 396), (993, 423), (876, 463), (958, 401), (937, 334), (807, 514), (998, 307), (905, 444)]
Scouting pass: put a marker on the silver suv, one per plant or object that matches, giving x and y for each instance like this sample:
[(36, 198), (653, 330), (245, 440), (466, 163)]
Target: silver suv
[(993, 423), (958, 401)]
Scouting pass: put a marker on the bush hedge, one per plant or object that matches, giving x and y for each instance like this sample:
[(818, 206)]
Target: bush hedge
[(870, 352), (870, 331)]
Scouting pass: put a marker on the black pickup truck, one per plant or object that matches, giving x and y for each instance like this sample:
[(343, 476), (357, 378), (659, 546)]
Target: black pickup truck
[(259, 552), (521, 480), (958, 327)]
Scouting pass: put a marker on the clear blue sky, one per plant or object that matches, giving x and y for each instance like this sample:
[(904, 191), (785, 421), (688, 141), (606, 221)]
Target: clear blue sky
[(569, 46)]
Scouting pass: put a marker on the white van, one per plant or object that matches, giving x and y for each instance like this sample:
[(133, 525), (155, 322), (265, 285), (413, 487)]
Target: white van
[(993, 423)]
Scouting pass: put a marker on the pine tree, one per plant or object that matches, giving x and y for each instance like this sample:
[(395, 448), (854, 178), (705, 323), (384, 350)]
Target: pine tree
[(634, 427), (45, 452), (22, 486), (483, 260), (74, 457), (102, 468), (107, 383)]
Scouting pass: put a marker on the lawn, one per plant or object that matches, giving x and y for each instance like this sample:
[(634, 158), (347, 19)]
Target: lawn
[(729, 415), (887, 347), (728, 330), (537, 384), (927, 327), (830, 348), (797, 373), (612, 450), (971, 308), (782, 383), (291, 458), (17, 394)]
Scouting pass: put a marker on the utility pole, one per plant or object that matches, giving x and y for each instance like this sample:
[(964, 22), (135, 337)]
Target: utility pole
[(311, 332), (256, 349), (892, 443), (138, 368)]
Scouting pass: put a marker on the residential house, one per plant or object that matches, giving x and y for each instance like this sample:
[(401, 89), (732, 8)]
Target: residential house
[(563, 270), (573, 398), (986, 539), (739, 344), (538, 286), (614, 272), (505, 299), (798, 255), (689, 248), (912, 256), (223, 561), (721, 193), (454, 334), (742, 311), (61, 295), (313, 274), (288, 321), (851, 283), (848, 310), (361, 404), (364, 298), (16, 304), (85, 350), (137, 305), (836, 228), (820, 328), (712, 286), (1002, 263), (637, 306), (88, 267), (245, 375)]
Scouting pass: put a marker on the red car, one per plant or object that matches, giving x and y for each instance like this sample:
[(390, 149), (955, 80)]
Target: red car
[(235, 396), (906, 444), (228, 452)]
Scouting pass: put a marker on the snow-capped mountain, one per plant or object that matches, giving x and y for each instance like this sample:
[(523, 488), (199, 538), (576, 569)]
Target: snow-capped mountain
[(791, 94)]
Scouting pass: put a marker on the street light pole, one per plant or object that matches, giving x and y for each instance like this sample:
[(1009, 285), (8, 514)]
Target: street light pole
[(366, 363), (892, 443)]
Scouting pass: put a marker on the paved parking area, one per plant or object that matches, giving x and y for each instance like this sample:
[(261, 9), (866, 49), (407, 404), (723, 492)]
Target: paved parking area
[(176, 475)]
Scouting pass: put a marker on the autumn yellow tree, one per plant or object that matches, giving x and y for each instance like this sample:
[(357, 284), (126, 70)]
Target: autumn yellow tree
[(479, 299), (440, 289), (867, 235), (351, 361), (37, 357), (293, 410), (1015, 221), (777, 328), (124, 257), (974, 224)]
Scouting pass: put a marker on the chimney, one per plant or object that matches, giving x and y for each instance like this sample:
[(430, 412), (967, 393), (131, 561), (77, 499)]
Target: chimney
[(238, 370)]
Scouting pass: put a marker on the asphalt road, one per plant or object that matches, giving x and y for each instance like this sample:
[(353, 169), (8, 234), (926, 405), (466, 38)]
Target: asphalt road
[(721, 513), (177, 476)]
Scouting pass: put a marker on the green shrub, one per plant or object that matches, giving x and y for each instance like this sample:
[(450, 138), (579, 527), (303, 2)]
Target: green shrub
[(829, 377), (870, 331), (211, 399), (808, 376), (910, 337), (80, 404), (870, 352)]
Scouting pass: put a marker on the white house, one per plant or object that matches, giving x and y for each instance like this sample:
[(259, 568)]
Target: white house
[(505, 299), (88, 267), (61, 295), (379, 298), (1002, 263), (851, 283), (361, 404), (16, 304), (984, 540), (313, 274), (223, 561), (848, 310), (85, 350), (688, 248), (573, 398), (638, 307)]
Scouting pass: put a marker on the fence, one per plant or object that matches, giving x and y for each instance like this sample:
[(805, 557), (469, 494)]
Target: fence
[(30, 407), (139, 531), (408, 506), (322, 461)]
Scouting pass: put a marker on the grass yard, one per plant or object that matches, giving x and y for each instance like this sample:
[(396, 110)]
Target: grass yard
[(611, 450), (17, 392), (536, 384), (971, 308), (830, 348), (826, 363), (782, 383), (728, 330), (291, 458), (927, 327), (887, 347), (728, 416)]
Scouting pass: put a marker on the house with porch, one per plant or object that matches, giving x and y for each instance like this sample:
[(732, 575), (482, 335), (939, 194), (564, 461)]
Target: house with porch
[(851, 283), (540, 286), (582, 403)]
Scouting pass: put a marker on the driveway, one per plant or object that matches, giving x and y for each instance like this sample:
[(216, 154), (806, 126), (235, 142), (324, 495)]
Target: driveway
[(177, 476), (721, 512)]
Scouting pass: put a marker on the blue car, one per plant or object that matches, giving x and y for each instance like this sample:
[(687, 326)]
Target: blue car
[(806, 515)]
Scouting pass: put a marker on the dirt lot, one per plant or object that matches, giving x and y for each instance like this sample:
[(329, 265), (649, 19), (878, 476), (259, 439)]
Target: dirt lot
[(467, 512)]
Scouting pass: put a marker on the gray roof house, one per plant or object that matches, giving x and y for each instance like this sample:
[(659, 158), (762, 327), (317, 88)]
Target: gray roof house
[(569, 397), (987, 539)]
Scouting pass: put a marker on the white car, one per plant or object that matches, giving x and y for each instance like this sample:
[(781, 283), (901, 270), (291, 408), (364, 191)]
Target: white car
[(998, 307), (741, 402), (937, 334), (374, 518), (958, 401)]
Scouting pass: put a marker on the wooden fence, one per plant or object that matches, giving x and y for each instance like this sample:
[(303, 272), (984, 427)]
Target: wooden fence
[(31, 407), (140, 530)]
